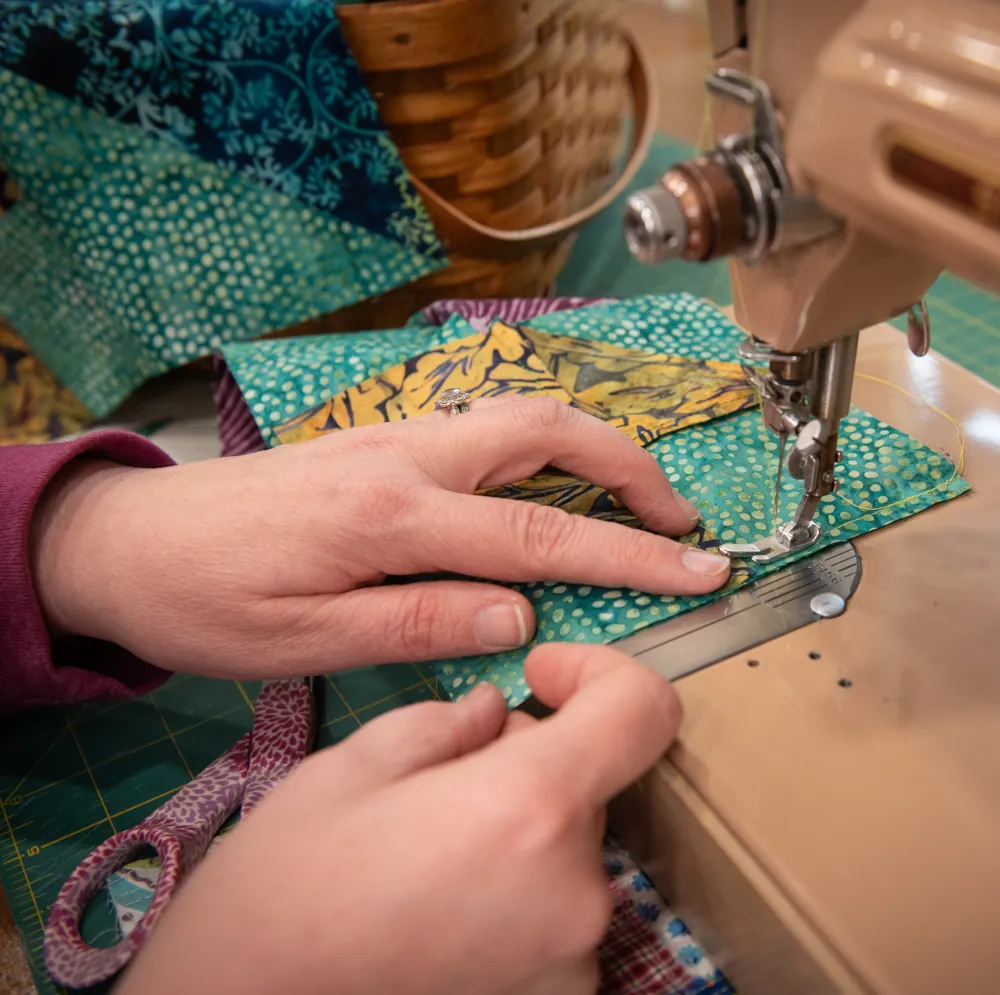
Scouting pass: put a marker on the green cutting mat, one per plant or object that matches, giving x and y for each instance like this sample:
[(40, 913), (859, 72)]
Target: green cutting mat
[(71, 777)]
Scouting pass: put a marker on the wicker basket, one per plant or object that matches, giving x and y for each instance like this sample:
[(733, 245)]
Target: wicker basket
[(509, 116)]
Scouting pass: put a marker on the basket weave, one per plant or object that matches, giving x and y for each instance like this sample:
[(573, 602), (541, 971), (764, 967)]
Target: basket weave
[(509, 116)]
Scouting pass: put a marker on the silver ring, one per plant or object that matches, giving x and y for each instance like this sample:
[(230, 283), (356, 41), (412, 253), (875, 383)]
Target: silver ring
[(455, 401)]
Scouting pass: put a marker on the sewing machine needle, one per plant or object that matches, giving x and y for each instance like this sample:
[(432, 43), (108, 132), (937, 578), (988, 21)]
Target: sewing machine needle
[(777, 486)]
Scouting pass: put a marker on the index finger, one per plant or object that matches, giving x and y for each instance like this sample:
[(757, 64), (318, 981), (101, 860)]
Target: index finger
[(615, 718), (511, 441)]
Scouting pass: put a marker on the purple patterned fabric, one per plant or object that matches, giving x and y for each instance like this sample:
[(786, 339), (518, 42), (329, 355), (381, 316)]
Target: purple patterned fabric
[(180, 831), (479, 313), (238, 432)]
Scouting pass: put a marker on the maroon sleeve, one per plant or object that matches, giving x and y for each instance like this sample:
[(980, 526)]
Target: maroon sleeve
[(32, 670)]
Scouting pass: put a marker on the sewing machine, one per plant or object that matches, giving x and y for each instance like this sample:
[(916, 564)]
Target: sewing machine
[(883, 174), (828, 821)]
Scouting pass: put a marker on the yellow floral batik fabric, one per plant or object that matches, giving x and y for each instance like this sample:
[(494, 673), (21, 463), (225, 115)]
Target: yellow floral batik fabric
[(34, 406), (644, 395)]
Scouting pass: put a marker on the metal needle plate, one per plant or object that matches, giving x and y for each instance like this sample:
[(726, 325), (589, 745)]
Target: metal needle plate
[(756, 614)]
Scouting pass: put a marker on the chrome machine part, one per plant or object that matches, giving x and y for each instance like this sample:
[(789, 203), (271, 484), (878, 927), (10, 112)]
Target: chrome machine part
[(794, 596), (804, 397), (735, 200), (918, 329), (655, 225), (829, 604)]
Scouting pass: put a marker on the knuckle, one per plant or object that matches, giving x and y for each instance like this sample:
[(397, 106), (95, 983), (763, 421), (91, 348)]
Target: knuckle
[(545, 811), (420, 620), (663, 700), (546, 414), (653, 701), (542, 531), (385, 501), (641, 551)]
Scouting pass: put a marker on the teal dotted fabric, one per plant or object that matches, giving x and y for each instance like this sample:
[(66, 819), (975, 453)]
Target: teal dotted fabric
[(727, 467), (128, 256), (280, 378)]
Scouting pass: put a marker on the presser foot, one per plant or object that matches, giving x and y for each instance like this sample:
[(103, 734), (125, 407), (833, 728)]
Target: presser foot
[(774, 547)]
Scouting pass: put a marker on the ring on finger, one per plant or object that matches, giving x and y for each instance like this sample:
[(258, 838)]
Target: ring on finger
[(454, 400)]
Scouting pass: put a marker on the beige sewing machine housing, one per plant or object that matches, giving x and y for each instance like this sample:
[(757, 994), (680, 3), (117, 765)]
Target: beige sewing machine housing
[(830, 819)]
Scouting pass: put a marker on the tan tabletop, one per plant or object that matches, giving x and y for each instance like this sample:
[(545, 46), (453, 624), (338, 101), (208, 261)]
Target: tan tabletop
[(822, 838)]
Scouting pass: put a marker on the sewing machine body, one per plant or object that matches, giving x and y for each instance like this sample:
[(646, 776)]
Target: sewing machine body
[(854, 160), (829, 819)]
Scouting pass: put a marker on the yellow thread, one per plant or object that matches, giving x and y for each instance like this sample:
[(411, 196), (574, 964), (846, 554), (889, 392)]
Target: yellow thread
[(706, 130), (755, 44), (959, 431), (958, 467)]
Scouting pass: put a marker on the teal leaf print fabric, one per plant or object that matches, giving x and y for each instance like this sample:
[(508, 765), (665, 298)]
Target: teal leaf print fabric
[(727, 467)]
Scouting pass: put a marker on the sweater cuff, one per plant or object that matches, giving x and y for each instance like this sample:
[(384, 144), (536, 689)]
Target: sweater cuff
[(32, 671)]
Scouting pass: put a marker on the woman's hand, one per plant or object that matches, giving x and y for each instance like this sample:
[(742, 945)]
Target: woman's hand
[(440, 849), (270, 564)]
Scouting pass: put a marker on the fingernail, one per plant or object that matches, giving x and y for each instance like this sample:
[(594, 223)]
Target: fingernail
[(501, 627), (687, 507), (706, 564)]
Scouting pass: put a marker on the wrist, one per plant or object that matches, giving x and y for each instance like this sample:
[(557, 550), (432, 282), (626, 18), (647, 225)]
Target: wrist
[(71, 543)]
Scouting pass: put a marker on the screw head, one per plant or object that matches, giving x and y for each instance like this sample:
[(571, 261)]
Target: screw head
[(827, 605)]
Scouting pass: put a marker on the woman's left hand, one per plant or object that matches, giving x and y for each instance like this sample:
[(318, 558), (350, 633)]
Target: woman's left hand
[(273, 563)]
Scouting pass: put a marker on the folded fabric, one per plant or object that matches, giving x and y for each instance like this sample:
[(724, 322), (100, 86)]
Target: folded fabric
[(239, 432), (727, 466), (189, 173), (642, 394)]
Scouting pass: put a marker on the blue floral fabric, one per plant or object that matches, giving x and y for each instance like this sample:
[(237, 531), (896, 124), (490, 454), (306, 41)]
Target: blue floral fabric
[(263, 87)]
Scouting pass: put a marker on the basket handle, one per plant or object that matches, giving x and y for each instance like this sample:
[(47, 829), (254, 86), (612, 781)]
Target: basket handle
[(463, 236)]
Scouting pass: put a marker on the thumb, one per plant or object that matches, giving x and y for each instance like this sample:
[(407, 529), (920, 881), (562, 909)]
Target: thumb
[(615, 718), (427, 620), (407, 740)]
